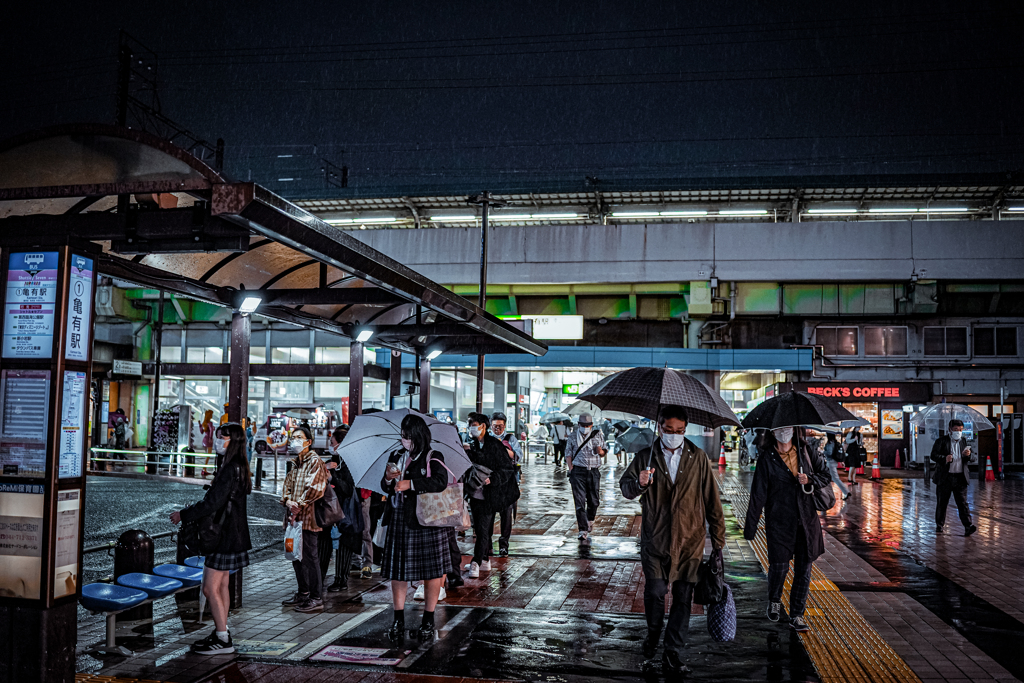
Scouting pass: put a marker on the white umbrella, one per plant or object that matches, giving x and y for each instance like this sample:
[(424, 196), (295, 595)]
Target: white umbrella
[(953, 411), (374, 437), (580, 407)]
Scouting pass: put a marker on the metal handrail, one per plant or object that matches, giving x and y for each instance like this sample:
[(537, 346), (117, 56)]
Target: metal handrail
[(110, 544)]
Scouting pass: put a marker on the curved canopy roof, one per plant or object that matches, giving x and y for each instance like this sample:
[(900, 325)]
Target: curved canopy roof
[(164, 219)]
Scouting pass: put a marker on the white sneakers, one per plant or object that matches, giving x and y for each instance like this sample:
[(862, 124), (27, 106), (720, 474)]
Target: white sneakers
[(421, 594), (485, 566), (474, 570)]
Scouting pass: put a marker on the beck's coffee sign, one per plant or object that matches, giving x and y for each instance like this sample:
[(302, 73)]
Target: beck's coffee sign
[(868, 392)]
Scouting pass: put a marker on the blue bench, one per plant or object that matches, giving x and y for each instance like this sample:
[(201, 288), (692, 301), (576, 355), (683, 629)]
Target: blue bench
[(132, 590)]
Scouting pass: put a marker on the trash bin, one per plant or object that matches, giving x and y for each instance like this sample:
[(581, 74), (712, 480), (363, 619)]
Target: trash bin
[(133, 552)]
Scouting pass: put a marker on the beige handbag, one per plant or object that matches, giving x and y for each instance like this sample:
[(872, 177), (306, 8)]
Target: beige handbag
[(444, 509)]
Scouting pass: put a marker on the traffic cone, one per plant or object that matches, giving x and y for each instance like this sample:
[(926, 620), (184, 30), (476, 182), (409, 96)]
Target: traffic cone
[(721, 458), (860, 470), (989, 474), (876, 472), (898, 459)]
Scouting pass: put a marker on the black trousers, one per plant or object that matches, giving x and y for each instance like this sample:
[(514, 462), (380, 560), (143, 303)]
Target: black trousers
[(507, 516), (802, 566), (456, 553), (959, 493), (307, 572), (679, 615), (324, 550), (560, 451), (483, 530), (585, 495)]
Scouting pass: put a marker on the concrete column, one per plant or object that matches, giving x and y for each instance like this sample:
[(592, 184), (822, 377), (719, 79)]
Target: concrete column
[(355, 381), (238, 375), (425, 386), (395, 379)]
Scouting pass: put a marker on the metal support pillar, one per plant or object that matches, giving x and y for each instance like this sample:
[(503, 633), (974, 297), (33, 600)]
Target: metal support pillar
[(238, 379), (158, 339), (395, 379), (355, 381), (425, 386), (485, 201)]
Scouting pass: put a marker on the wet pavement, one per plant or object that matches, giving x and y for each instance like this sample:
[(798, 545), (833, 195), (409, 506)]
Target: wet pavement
[(558, 611)]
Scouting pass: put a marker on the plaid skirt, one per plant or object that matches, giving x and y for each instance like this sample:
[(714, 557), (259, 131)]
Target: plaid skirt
[(227, 562), (414, 554)]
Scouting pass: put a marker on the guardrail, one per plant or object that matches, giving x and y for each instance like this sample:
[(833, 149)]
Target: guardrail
[(176, 463), (109, 545)]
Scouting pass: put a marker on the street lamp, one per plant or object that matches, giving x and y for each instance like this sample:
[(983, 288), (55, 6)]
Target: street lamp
[(249, 304), (363, 334), (433, 352)]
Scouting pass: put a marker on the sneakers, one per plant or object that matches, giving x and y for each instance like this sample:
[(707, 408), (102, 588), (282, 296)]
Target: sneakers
[(474, 570), (296, 599), (212, 645), (970, 530), (421, 593), (340, 584), (672, 663), (503, 552), (311, 605), (798, 625), (582, 536), (938, 529), (455, 580), (485, 566), (367, 572), (774, 611), (442, 595)]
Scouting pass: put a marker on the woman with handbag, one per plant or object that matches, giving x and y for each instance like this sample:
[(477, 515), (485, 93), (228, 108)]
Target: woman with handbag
[(225, 505), (787, 479), (413, 552), (854, 454)]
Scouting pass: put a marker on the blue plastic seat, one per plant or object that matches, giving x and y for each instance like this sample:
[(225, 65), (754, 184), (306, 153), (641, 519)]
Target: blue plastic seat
[(154, 586), (108, 597), (195, 561), (189, 576)]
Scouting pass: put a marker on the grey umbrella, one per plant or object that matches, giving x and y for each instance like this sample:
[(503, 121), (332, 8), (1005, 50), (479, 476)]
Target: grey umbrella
[(635, 439), (643, 391), (555, 416)]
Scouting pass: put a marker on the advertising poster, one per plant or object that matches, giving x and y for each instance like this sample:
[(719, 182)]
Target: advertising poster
[(892, 424), (72, 425), (79, 309), (65, 575), (24, 401), (21, 540), (355, 655), (29, 306)]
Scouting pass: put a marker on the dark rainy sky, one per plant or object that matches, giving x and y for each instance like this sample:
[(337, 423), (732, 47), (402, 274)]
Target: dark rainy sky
[(435, 97)]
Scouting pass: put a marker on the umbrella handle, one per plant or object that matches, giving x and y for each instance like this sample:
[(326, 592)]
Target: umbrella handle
[(803, 487)]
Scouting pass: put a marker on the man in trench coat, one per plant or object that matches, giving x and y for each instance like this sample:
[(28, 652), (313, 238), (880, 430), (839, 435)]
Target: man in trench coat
[(678, 496)]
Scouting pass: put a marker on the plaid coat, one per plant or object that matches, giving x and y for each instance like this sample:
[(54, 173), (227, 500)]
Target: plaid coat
[(304, 485)]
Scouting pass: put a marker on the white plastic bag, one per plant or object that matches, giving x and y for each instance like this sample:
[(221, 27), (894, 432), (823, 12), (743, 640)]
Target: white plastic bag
[(380, 535), (293, 542)]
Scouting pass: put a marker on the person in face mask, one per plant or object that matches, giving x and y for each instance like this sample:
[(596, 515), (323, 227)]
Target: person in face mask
[(583, 454), (498, 492), (515, 452), (951, 455), (679, 495), (305, 484), (792, 527), (348, 543)]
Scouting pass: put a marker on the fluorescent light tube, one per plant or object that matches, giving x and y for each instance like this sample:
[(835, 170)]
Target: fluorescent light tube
[(249, 304)]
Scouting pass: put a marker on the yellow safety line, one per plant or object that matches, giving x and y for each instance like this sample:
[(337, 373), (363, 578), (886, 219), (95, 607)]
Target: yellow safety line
[(96, 678), (841, 642)]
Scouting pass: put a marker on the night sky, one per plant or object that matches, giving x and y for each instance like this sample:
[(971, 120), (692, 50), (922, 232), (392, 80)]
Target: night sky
[(435, 97)]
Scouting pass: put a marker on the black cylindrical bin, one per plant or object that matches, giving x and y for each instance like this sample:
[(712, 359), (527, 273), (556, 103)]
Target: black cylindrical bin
[(134, 553)]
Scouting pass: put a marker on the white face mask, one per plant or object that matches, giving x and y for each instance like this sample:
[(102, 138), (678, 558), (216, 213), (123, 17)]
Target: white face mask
[(332, 449), (496, 431), (296, 446), (784, 434), (220, 446), (407, 444), (956, 435), (586, 430), (479, 431), (672, 441)]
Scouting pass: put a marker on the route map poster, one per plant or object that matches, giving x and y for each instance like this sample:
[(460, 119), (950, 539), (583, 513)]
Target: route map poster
[(29, 305), (72, 425)]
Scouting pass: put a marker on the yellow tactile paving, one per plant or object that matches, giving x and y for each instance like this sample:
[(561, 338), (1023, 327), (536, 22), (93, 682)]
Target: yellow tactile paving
[(93, 678), (841, 643)]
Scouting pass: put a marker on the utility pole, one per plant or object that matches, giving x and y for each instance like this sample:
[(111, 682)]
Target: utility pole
[(485, 201)]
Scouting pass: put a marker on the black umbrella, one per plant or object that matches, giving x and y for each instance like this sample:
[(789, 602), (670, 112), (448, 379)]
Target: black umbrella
[(643, 391), (635, 439), (796, 408), (621, 425)]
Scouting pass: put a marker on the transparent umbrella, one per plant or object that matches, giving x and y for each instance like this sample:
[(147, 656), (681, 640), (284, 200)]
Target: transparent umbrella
[(553, 417), (580, 407), (944, 412)]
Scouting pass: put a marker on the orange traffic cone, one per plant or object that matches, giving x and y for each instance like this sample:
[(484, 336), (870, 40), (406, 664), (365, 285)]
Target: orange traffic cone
[(876, 472), (898, 459), (721, 458), (860, 470), (989, 474)]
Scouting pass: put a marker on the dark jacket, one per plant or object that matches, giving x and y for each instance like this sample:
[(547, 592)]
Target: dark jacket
[(788, 511), (231, 484), (417, 472), (344, 486), (674, 515), (942, 447), (503, 489)]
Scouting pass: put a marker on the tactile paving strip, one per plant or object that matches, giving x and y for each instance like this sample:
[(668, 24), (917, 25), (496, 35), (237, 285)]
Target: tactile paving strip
[(841, 642), (93, 678)]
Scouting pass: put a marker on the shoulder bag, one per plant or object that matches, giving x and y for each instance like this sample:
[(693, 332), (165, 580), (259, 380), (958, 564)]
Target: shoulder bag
[(327, 509), (444, 509), (579, 448), (824, 497)]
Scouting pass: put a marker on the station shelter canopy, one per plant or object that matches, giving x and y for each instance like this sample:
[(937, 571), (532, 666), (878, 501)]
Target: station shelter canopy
[(159, 217)]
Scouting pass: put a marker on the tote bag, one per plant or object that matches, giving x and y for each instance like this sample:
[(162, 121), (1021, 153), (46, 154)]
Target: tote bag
[(444, 509)]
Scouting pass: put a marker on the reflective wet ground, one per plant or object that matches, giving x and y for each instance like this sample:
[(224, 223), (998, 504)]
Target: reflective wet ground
[(559, 611)]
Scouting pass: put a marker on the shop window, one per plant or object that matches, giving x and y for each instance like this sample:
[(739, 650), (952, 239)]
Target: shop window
[(885, 341), (256, 388), (170, 354), (289, 391), (332, 354), (837, 341), (945, 341), (331, 390), (290, 354), (205, 354), (995, 341), (257, 354)]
